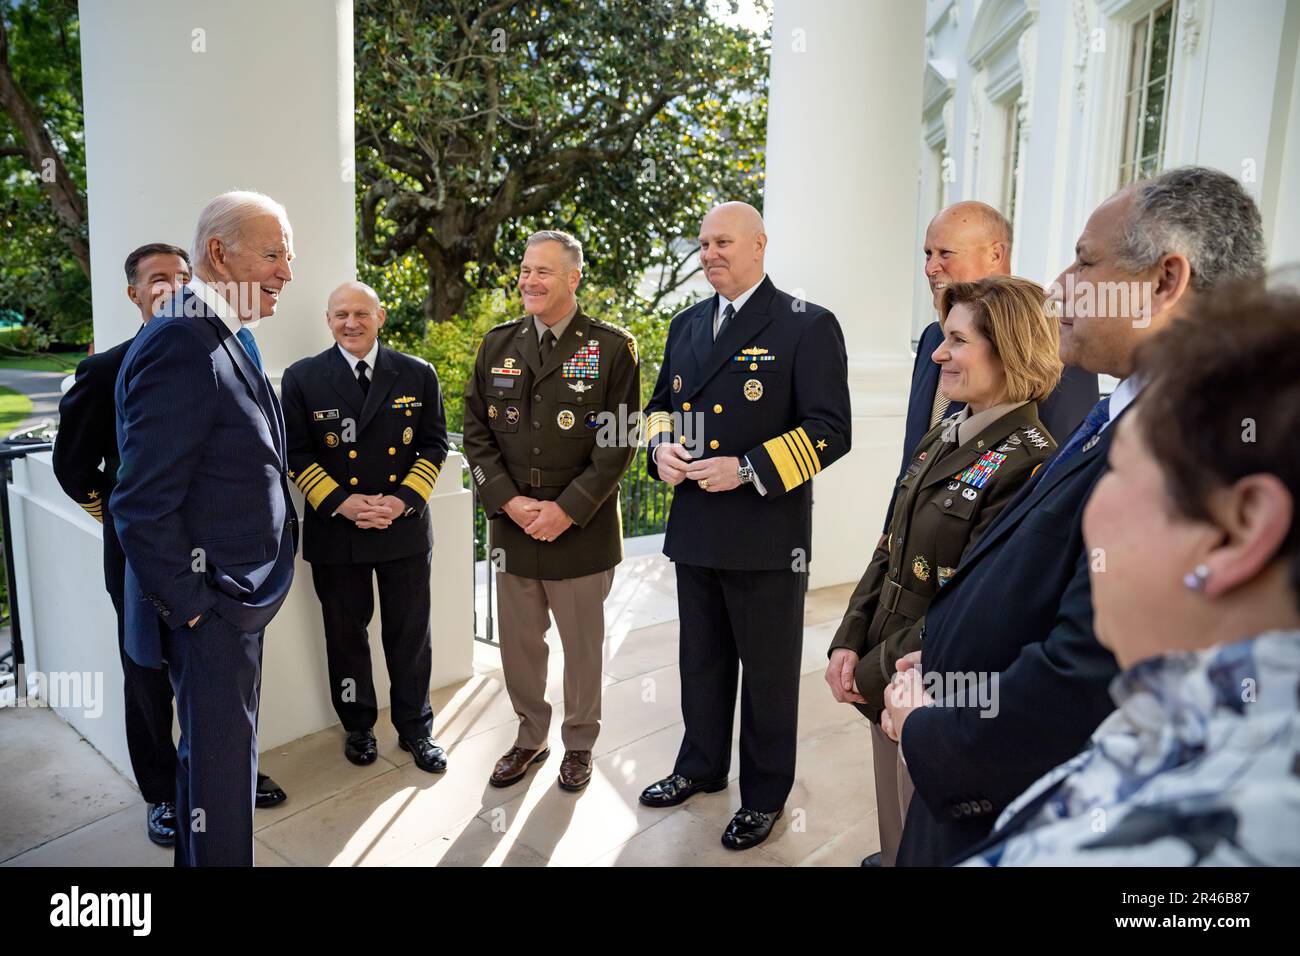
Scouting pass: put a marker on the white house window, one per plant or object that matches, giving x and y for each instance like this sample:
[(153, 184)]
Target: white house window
[(1147, 93)]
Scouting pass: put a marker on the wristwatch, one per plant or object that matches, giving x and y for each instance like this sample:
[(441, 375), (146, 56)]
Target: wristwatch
[(746, 473)]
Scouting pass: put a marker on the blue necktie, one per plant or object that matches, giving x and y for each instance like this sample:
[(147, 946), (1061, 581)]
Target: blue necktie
[(1091, 426), (250, 346)]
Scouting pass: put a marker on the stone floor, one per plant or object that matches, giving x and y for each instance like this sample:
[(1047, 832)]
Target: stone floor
[(65, 805)]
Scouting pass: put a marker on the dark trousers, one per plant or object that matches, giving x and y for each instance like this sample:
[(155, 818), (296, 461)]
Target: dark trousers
[(216, 673), (730, 618), (148, 695), (346, 593)]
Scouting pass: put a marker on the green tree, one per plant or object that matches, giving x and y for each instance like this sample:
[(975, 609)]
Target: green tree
[(477, 123), (43, 240)]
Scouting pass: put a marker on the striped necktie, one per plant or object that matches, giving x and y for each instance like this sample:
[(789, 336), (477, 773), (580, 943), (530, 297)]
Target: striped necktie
[(1091, 426)]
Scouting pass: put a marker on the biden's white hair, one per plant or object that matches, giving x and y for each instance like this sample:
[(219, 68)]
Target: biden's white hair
[(224, 217)]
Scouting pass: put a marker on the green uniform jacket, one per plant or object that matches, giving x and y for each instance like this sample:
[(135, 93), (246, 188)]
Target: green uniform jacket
[(561, 431), (945, 502)]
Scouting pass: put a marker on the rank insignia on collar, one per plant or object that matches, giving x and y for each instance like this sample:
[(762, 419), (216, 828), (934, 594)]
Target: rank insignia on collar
[(921, 568), (580, 386), (325, 415), (1036, 438)]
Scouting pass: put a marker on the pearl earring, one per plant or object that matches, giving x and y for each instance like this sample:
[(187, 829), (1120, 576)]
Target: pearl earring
[(1195, 580)]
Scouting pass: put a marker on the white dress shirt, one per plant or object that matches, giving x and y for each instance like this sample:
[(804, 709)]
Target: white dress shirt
[(737, 303), (369, 357), (1122, 398)]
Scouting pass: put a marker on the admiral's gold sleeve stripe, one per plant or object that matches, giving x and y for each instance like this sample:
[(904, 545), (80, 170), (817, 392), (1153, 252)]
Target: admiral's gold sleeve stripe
[(422, 477), (315, 484), (808, 447), (657, 424), (786, 468), (795, 458)]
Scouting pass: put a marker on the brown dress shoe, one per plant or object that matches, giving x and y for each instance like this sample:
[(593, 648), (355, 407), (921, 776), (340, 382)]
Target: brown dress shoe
[(575, 769), (512, 767)]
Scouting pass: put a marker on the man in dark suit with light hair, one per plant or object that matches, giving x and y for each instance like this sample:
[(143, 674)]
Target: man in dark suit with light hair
[(203, 512)]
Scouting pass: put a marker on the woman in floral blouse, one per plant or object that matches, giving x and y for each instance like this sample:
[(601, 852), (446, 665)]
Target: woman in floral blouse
[(1195, 555)]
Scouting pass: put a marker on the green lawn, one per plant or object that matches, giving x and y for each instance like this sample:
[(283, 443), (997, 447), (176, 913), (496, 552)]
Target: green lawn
[(15, 407), (44, 362)]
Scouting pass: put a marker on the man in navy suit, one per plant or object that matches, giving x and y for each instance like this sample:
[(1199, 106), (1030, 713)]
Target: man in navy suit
[(1019, 607), (203, 512), (963, 243)]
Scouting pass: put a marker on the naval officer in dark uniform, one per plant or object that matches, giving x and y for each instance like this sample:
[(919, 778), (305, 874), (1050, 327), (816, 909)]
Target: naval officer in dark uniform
[(367, 439), (752, 401), (998, 358), (546, 416)]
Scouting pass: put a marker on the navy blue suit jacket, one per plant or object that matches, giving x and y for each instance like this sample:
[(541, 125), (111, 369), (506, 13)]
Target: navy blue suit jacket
[(1018, 605), (202, 442), (1061, 412)]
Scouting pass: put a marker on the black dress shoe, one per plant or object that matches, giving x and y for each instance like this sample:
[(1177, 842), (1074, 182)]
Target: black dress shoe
[(360, 747), (428, 755), (162, 823), (675, 789), (873, 860), (749, 828), (269, 793)]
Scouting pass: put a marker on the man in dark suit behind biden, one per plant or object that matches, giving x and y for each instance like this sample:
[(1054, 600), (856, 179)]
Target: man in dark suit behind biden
[(203, 512)]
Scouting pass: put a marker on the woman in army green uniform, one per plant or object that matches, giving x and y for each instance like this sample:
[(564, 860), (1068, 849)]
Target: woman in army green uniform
[(999, 356)]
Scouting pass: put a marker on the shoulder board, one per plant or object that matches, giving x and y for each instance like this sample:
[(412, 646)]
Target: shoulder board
[(506, 324), (601, 323)]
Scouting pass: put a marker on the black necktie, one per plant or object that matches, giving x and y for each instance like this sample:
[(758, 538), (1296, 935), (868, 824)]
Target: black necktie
[(548, 344), (727, 313), (362, 378)]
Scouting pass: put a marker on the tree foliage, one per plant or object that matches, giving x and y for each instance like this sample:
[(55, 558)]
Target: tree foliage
[(43, 235), (619, 121)]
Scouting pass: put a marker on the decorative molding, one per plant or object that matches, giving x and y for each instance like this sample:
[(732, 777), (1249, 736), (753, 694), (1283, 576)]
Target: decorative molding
[(1189, 25), (998, 24), (975, 117), (1082, 47), (1026, 49)]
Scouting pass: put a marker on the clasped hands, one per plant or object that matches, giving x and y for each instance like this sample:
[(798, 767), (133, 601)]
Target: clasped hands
[(372, 511), (676, 465), (541, 520), (904, 694)]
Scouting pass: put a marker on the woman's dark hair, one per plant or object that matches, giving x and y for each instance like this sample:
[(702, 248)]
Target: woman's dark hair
[(1221, 399)]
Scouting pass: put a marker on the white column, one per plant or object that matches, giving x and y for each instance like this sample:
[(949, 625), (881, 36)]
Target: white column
[(186, 99), (843, 160)]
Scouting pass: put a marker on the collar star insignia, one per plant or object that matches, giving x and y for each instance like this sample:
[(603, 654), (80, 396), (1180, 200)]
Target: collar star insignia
[(821, 444)]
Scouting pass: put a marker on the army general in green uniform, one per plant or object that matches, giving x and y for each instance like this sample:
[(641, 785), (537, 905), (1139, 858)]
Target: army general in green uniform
[(999, 356), (543, 437)]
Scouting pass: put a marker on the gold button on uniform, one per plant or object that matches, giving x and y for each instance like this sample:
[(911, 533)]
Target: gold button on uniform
[(392, 477), (352, 454), (714, 444), (753, 366), (717, 409), (392, 451), (686, 406), (352, 481)]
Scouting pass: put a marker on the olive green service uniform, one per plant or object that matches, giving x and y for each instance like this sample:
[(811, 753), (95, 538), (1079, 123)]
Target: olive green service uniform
[(547, 416), (962, 474)]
